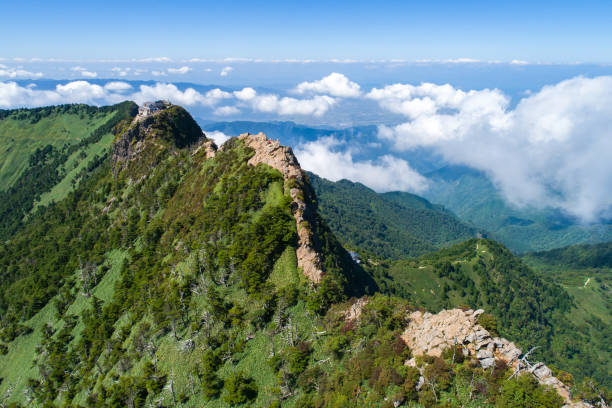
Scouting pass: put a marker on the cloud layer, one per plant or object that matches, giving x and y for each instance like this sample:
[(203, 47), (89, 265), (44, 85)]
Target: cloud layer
[(330, 159), (553, 149)]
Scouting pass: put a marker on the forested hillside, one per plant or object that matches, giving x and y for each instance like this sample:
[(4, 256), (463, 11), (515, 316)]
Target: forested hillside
[(585, 272), (392, 225), (178, 273), (45, 151)]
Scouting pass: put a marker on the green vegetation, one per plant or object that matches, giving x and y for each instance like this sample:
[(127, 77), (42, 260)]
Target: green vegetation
[(46, 151), (529, 309), (171, 279), (585, 272), (391, 225)]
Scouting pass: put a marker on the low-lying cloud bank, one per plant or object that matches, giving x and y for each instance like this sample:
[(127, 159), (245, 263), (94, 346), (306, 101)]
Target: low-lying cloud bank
[(330, 158), (552, 150)]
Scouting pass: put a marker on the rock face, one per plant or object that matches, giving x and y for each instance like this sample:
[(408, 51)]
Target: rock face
[(281, 158), (131, 142), (430, 334)]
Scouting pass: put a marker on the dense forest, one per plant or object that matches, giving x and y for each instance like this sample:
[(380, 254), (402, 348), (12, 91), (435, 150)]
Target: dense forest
[(391, 225)]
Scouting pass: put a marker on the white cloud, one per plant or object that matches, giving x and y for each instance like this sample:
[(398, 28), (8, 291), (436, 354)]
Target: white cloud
[(218, 94), (14, 95), (84, 72), (553, 149), (334, 84), (246, 94), (18, 73), (158, 73), (121, 71), (218, 136), (226, 111), (180, 71), (519, 62), (188, 97), (225, 71), (271, 103), (388, 173), (153, 59), (117, 86)]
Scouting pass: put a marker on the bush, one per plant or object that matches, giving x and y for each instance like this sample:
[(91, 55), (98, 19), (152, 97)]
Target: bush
[(489, 322), (525, 392), (239, 389)]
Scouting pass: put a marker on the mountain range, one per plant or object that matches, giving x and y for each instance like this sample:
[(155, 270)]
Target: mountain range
[(143, 265)]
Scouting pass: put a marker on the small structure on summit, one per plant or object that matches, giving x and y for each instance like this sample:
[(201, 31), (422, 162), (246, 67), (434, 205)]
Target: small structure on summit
[(149, 108)]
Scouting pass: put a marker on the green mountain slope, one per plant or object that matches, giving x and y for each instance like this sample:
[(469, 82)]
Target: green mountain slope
[(474, 199), (585, 272), (154, 250), (43, 152), (528, 307), (170, 276), (391, 225)]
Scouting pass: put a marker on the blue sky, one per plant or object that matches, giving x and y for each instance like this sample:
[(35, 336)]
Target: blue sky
[(519, 90), (535, 31)]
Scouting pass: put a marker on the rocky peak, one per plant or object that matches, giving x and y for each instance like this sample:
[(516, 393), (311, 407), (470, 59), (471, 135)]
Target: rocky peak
[(160, 126), (272, 153)]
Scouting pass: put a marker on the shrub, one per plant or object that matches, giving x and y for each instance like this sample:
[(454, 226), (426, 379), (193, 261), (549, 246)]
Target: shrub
[(239, 389), (525, 392)]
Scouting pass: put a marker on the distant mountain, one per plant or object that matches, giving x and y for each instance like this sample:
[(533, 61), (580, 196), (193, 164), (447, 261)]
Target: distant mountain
[(392, 225), (474, 199)]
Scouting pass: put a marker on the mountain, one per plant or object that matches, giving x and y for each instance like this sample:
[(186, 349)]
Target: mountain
[(471, 195), (178, 273), (391, 225)]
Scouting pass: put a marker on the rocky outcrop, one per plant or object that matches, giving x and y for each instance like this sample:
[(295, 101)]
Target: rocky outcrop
[(430, 334), (354, 311), (209, 147), (131, 142), (272, 153)]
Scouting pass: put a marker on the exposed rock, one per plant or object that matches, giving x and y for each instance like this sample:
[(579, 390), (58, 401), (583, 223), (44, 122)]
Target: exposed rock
[(354, 311), (281, 158), (429, 334), (208, 146)]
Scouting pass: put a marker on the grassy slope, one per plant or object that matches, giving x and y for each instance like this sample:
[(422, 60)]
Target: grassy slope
[(18, 365), (20, 138)]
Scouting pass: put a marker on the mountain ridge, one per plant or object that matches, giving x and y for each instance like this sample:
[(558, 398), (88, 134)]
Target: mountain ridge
[(172, 277)]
